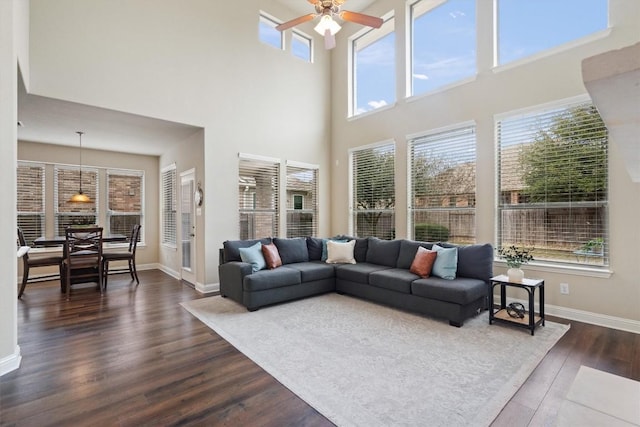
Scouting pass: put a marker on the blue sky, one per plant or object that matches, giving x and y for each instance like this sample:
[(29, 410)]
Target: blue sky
[(445, 47)]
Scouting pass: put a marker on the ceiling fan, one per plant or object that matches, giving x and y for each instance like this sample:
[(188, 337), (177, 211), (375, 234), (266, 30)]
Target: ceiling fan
[(327, 27)]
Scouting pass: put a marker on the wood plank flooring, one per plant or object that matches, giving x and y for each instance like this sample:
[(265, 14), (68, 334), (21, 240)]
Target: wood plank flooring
[(135, 357)]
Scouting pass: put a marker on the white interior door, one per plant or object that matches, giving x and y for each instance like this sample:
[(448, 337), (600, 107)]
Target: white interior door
[(188, 226)]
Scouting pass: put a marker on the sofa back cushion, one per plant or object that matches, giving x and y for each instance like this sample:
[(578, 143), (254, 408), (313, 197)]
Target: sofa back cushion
[(474, 261), (314, 247), (408, 249), (292, 250), (360, 251), (231, 247), (383, 252)]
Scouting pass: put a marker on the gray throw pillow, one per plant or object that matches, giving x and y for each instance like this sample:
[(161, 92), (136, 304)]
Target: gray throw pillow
[(383, 252), (292, 250)]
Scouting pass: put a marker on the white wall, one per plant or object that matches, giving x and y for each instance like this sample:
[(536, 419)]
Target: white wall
[(493, 92), (10, 34), (197, 62)]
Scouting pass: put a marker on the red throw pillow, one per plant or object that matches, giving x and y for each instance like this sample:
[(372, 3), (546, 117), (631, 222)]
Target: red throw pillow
[(271, 256), (422, 262)]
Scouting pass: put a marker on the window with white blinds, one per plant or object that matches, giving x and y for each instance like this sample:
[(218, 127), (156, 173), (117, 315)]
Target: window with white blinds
[(302, 201), (258, 201), (442, 196), (169, 202), (125, 195), (30, 200), (552, 180), (373, 196), (66, 184)]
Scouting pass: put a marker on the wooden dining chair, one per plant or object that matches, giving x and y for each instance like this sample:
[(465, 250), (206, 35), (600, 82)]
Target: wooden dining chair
[(82, 257), (31, 262), (129, 256)]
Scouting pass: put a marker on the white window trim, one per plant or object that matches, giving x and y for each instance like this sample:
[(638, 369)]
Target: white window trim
[(132, 172), (165, 169)]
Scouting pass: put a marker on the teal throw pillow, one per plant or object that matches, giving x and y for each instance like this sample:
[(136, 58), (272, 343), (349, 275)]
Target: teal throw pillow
[(446, 262), (253, 255), (324, 247)]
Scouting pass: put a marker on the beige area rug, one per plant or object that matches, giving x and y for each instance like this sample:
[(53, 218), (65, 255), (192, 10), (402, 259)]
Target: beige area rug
[(363, 364)]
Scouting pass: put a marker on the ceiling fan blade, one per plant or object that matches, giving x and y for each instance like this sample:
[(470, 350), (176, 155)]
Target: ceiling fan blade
[(313, 1), (329, 40), (359, 18), (294, 22)]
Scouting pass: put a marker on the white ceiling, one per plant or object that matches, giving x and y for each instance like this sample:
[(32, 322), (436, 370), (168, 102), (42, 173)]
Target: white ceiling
[(54, 121)]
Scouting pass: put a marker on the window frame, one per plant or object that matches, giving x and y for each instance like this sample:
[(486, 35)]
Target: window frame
[(387, 147), (39, 230), (169, 207), (298, 36), (271, 21), (439, 138), (545, 111), (141, 213), (258, 217), (309, 206), (93, 191)]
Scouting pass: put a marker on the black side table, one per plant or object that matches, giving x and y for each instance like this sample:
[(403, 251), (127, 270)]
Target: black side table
[(530, 321)]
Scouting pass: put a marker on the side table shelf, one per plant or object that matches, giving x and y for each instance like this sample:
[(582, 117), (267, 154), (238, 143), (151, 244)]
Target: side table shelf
[(531, 320)]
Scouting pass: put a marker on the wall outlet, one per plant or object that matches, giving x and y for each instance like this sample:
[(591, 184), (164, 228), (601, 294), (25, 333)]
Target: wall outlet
[(564, 288)]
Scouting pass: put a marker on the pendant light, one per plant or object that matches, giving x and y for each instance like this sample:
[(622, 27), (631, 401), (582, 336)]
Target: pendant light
[(80, 197)]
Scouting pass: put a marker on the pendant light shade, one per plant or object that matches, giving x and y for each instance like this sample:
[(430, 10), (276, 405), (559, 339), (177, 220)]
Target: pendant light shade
[(80, 197)]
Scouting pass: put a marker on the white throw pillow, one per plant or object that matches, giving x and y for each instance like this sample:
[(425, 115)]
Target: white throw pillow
[(340, 253)]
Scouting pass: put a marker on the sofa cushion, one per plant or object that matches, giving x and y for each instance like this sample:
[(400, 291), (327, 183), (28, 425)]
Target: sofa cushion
[(314, 247), (312, 270), (271, 256), (292, 250), (423, 262), (408, 249), (395, 279), (383, 252), (446, 262), (269, 279), (474, 261), (459, 291), (231, 247), (340, 253), (253, 255), (358, 273)]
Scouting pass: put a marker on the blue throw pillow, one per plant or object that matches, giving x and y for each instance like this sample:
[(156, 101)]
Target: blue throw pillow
[(253, 255), (446, 262)]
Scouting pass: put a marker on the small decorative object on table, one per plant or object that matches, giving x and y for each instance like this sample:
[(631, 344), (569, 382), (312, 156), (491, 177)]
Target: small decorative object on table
[(515, 257)]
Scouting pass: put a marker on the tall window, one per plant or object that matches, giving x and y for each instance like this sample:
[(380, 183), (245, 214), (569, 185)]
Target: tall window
[(169, 205), (443, 185), (67, 183), (258, 201), (124, 200), (301, 45), (268, 33), (553, 183), (519, 24), (374, 68), (443, 43), (30, 200), (302, 200), (373, 197)]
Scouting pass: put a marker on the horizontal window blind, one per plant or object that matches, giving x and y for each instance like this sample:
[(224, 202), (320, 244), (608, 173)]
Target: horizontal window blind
[(30, 200), (373, 191), (302, 201), (124, 201), (552, 180), (258, 201), (169, 206), (443, 186), (66, 184)]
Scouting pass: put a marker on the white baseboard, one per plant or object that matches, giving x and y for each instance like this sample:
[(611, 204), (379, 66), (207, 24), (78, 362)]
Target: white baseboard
[(207, 288), (11, 362), (167, 270), (598, 319)]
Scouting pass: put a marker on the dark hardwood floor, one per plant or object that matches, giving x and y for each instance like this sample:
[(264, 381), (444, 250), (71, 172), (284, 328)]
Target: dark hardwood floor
[(135, 357)]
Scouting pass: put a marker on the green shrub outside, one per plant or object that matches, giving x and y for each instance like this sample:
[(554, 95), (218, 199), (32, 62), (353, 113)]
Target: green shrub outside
[(431, 233)]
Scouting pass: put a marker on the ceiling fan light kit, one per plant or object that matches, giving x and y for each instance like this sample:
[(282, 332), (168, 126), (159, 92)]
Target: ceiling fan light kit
[(327, 26)]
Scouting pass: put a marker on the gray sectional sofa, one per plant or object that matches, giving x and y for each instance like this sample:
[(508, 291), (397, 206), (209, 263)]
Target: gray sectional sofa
[(381, 274)]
